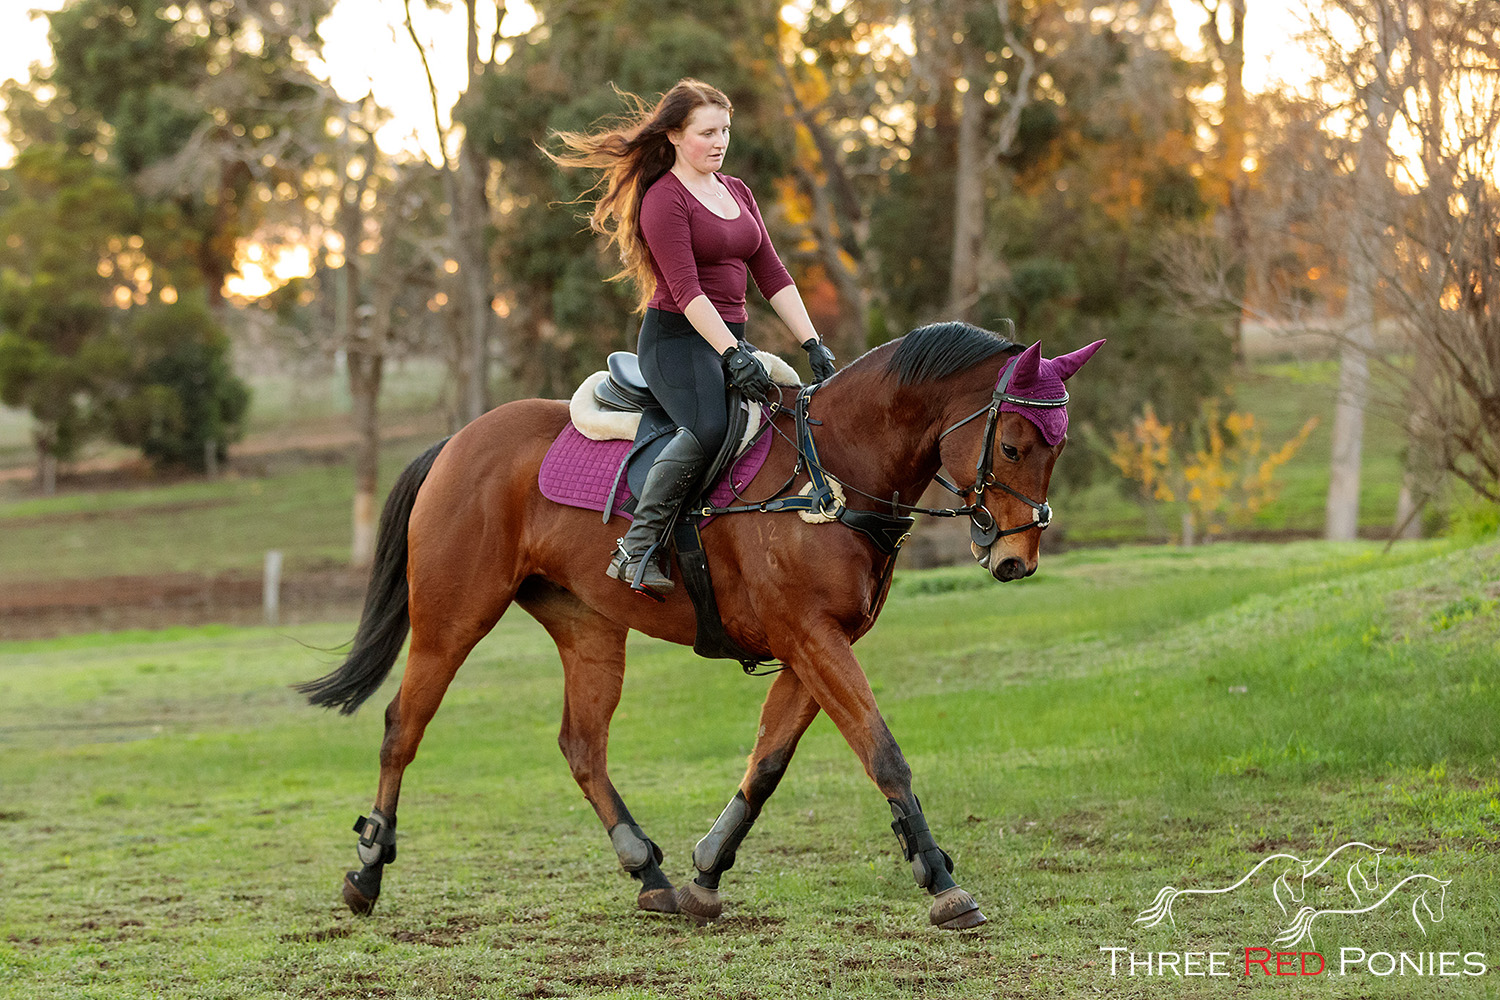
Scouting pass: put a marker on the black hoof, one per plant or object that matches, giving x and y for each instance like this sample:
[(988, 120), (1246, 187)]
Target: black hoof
[(359, 894)]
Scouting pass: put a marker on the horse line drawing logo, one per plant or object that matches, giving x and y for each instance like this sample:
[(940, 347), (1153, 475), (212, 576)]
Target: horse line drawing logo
[(1360, 865)]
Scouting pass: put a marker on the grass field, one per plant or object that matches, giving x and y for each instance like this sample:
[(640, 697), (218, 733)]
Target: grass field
[(175, 822)]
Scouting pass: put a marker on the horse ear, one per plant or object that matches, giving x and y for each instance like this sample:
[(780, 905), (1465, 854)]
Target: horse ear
[(1066, 365), (1028, 367)]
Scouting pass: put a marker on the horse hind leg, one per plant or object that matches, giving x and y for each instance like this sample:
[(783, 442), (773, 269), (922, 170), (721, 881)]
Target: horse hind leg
[(592, 649), (437, 651)]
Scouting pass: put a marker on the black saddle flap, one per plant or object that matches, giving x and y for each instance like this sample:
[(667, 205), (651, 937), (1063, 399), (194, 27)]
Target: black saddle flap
[(655, 431)]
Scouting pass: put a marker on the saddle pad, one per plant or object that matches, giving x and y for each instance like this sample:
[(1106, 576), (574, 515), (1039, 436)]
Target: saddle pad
[(579, 472)]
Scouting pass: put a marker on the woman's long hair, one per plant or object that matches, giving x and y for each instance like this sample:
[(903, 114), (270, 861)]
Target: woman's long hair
[(632, 154)]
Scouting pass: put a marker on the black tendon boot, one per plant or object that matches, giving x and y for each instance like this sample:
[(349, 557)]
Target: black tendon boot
[(673, 474)]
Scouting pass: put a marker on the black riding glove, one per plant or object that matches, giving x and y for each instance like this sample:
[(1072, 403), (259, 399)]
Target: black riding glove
[(747, 373), (821, 359)]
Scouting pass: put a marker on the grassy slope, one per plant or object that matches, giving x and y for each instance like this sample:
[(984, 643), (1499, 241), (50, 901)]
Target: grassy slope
[(176, 823)]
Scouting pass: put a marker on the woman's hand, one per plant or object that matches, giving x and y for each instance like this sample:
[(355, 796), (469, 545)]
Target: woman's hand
[(821, 359), (747, 373)]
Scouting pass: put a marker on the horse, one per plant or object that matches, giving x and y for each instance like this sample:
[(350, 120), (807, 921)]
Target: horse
[(1302, 925), (465, 533)]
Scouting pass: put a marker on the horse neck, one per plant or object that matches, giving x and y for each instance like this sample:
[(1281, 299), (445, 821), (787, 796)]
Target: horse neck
[(881, 436)]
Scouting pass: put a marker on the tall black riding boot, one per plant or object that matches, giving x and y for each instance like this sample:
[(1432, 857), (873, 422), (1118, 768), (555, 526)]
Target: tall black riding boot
[(673, 475)]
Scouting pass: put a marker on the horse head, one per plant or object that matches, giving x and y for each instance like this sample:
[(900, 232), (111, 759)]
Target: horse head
[(1013, 457)]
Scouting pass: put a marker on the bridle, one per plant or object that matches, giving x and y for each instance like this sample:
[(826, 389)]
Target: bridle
[(889, 531), (983, 530)]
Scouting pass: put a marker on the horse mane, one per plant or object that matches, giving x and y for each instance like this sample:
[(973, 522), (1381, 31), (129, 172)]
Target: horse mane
[(938, 350)]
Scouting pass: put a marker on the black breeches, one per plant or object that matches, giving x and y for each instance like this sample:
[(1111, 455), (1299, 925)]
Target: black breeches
[(685, 373)]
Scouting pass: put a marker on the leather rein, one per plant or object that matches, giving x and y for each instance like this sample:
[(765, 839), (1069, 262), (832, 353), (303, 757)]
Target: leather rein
[(889, 531)]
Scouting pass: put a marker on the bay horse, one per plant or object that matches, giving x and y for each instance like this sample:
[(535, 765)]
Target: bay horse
[(466, 533)]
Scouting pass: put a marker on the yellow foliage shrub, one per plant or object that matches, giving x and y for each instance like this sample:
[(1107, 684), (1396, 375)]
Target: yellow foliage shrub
[(1215, 471)]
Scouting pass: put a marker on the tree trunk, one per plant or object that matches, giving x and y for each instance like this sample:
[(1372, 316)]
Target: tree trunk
[(471, 206), (365, 372), (46, 467), (1233, 133), (1342, 511), (364, 360), (968, 199)]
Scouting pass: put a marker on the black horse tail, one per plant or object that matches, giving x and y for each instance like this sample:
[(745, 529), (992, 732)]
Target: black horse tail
[(385, 620)]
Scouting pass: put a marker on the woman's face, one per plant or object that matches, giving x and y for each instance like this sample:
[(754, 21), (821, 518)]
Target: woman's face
[(703, 139)]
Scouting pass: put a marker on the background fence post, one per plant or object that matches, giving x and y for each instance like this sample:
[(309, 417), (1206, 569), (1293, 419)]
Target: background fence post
[(272, 590)]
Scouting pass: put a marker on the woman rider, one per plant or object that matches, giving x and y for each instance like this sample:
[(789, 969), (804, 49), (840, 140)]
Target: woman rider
[(687, 235)]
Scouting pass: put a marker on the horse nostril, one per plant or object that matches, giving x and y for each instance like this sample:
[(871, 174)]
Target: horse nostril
[(1010, 569)]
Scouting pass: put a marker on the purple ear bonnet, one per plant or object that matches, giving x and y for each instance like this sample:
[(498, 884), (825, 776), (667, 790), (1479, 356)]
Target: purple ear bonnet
[(1042, 378)]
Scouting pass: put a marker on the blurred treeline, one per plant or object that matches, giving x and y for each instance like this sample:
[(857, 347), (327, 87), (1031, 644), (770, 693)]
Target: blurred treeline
[(1068, 164)]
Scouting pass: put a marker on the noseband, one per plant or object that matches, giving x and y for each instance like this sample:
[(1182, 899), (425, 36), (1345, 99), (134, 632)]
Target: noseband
[(983, 530)]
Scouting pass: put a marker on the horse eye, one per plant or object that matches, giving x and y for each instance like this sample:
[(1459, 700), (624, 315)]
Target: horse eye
[(1010, 453)]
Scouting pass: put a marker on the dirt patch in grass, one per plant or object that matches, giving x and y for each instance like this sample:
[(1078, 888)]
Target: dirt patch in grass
[(457, 931), (66, 607), (334, 933)]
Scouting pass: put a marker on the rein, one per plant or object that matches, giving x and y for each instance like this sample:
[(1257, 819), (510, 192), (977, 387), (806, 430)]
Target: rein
[(889, 531)]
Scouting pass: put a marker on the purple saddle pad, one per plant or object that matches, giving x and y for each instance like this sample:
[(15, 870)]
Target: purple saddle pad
[(580, 472)]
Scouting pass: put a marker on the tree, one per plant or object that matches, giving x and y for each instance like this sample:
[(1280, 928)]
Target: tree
[(1369, 76), (466, 177), (65, 255), (384, 260), (198, 103), (1223, 32), (1447, 264), (178, 400)]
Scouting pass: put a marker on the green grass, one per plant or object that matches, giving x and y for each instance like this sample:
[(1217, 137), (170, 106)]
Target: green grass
[(205, 526), (175, 822)]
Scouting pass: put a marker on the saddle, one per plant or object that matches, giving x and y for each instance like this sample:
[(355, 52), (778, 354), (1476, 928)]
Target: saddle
[(616, 409)]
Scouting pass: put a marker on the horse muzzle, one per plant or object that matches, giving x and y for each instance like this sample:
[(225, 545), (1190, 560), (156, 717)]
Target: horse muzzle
[(1002, 567)]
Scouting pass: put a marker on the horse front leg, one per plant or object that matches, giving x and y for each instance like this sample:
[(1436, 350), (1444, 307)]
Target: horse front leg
[(826, 666), (788, 711)]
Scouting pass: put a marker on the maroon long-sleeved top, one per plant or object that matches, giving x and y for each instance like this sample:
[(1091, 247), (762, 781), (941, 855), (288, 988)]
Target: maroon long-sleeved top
[(696, 252)]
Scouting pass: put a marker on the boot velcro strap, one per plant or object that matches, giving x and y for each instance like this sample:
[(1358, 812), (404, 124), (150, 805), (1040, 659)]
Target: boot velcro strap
[(913, 835), (374, 831)]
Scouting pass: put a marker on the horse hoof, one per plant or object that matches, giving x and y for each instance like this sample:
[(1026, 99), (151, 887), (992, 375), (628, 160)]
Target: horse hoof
[(355, 899), (955, 910), (703, 905), (657, 901)]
